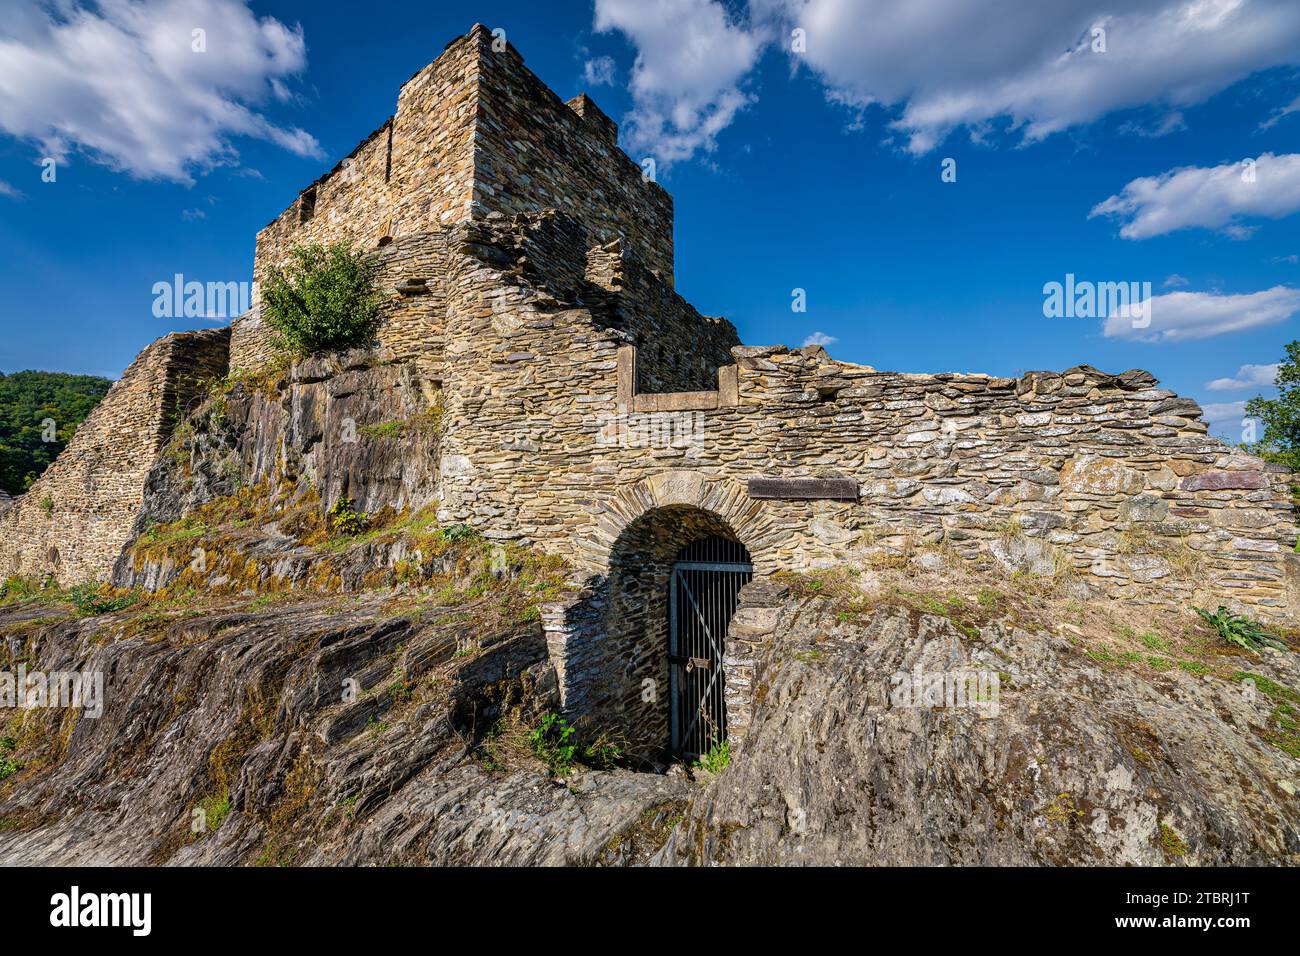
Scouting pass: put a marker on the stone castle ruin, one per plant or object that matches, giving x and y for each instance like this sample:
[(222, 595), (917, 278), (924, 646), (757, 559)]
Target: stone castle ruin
[(589, 410)]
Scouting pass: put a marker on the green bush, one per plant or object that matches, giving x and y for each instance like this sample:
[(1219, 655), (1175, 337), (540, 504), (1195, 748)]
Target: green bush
[(345, 519), (90, 600), (325, 299), (1239, 630)]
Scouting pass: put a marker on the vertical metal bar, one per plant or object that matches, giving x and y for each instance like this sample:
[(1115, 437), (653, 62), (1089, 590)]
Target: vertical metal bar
[(696, 694), (674, 729)]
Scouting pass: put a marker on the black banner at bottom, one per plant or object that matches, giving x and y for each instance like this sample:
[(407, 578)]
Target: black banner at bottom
[(337, 907)]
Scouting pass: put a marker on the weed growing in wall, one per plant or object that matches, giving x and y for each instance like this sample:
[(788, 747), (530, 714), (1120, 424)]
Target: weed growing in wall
[(325, 299), (717, 759)]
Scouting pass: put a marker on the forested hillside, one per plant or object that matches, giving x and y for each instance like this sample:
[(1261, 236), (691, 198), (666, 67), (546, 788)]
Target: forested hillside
[(39, 411)]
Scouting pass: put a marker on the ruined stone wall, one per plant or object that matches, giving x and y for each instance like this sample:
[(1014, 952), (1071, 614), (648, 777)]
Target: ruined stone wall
[(251, 344), (476, 132), (477, 135), (349, 203), (76, 518), (1109, 479), (678, 349)]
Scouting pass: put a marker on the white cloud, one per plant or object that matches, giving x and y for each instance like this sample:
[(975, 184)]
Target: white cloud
[(1183, 316), (820, 338), (1210, 197), (599, 72), (947, 64), (686, 81), (942, 65), (1223, 413), (1248, 376), (121, 81), (13, 192), (1280, 113), (1174, 281)]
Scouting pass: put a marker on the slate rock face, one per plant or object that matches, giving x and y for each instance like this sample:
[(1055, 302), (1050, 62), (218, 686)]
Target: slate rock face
[(356, 425), (253, 702), (1076, 766), (1064, 763)]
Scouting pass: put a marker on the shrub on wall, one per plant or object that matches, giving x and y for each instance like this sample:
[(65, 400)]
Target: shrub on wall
[(325, 299)]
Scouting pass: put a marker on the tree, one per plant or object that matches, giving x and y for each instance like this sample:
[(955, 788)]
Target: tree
[(39, 412), (324, 300), (1281, 416)]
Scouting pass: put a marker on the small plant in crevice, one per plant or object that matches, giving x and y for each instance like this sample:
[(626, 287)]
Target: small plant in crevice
[(216, 807), (1170, 841), (717, 758), (603, 753), (8, 766), (550, 742), (1239, 630), (47, 506), (345, 519)]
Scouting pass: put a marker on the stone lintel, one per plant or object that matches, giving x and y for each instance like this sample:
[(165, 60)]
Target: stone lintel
[(675, 402)]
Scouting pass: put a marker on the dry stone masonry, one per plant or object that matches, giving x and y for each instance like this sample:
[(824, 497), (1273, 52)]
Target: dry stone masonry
[(586, 408), (76, 518)]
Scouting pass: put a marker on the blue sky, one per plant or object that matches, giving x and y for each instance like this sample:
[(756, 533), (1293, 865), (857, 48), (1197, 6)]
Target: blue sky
[(817, 169)]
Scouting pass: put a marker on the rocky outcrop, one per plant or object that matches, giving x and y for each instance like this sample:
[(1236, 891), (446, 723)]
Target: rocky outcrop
[(320, 731), (1069, 761), (306, 733), (357, 427)]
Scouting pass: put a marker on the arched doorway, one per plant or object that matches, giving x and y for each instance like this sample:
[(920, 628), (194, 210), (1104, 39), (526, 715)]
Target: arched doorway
[(656, 680), (703, 586)]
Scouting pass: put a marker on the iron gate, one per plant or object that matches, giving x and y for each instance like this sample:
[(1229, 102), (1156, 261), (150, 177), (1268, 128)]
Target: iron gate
[(706, 578)]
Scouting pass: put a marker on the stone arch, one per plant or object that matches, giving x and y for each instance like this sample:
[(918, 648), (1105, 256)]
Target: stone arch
[(723, 497)]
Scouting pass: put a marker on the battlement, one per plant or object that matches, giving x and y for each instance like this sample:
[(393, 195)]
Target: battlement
[(476, 133)]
